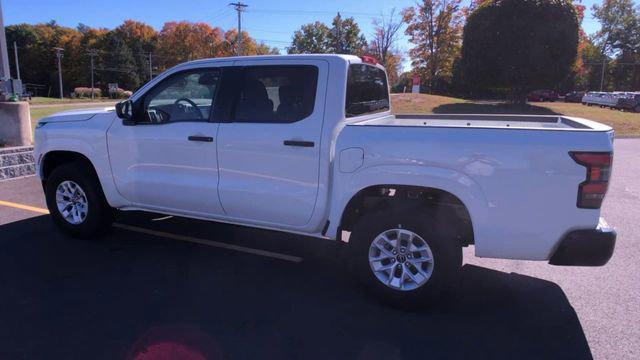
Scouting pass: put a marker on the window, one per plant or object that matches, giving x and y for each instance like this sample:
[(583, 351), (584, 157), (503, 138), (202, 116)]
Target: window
[(185, 96), (366, 90), (277, 94)]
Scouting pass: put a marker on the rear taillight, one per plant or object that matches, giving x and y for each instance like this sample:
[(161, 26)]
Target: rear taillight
[(591, 192)]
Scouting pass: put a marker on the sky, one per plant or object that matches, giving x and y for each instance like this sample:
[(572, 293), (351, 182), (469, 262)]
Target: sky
[(272, 22)]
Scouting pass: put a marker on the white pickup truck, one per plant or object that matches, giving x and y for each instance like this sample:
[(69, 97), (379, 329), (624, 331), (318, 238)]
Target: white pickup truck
[(307, 144)]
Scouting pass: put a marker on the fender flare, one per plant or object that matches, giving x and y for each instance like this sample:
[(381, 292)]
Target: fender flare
[(100, 164), (454, 182)]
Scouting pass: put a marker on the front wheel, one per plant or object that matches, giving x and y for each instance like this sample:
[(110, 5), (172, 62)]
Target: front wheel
[(407, 258), (76, 201)]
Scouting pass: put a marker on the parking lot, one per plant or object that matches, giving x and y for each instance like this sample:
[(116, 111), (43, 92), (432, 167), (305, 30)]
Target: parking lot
[(156, 284)]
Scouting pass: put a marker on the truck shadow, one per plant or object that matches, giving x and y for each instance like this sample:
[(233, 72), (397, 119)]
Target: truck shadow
[(492, 108), (130, 295)]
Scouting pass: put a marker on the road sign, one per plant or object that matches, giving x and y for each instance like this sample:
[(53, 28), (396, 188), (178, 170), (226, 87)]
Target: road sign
[(416, 84)]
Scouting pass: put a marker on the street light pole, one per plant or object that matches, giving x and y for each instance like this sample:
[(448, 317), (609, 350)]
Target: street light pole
[(59, 57)]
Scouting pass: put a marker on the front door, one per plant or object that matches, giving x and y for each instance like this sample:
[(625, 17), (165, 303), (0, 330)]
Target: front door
[(167, 160), (269, 152)]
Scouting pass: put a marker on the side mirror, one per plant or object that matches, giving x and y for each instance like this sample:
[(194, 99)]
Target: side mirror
[(124, 110)]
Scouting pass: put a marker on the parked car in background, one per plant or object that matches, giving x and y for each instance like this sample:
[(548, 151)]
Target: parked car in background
[(573, 96), (602, 99), (542, 95), (630, 102), (308, 144)]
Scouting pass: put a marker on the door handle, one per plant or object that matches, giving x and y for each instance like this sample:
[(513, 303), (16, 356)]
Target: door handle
[(201, 138), (299, 143)]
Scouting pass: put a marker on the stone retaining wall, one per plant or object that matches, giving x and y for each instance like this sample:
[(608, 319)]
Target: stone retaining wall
[(16, 162)]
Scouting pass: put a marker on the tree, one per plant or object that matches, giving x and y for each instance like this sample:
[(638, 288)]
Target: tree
[(311, 39), (118, 65), (385, 31), (620, 25), (435, 28), (619, 36), (383, 47), (345, 37), (185, 41), (520, 45), (121, 54), (249, 45)]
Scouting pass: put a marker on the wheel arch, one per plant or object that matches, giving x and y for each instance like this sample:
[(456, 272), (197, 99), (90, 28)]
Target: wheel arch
[(55, 158), (394, 197), (431, 183)]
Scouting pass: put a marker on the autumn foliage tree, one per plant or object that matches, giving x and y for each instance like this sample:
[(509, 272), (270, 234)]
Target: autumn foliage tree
[(520, 45), (434, 28), (122, 54)]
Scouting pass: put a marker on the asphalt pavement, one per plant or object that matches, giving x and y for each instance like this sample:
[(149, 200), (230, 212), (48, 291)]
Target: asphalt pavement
[(166, 285)]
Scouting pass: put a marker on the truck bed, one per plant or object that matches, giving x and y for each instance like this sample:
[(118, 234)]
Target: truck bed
[(534, 122)]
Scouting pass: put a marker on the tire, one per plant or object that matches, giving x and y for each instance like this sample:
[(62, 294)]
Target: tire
[(98, 215), (445, 250)]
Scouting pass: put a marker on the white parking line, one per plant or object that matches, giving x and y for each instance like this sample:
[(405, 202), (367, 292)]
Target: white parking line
[(167, 235)]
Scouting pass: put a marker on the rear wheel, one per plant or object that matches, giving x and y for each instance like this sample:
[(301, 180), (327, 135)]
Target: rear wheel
[(76, 201), (406, 258)]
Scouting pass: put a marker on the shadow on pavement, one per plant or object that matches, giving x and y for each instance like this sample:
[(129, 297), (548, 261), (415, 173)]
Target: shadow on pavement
[(492, 108), (130, 295)]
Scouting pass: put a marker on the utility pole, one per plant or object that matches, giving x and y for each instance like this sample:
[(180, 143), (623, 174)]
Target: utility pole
[(92, 54), (15, 53), (239, 7), (59, 56), (150, 68), (604, 59)]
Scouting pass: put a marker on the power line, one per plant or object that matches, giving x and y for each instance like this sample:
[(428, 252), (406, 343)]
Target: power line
[(270, 31), (273, 41), (314, 12), (221, 13)]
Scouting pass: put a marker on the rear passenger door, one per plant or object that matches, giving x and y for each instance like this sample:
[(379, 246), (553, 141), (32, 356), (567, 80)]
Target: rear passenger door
[(269, 149)]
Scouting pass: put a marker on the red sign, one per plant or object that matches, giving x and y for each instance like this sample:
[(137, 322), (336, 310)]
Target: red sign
[(416, 80)]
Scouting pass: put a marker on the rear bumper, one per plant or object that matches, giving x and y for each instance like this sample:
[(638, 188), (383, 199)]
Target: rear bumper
[(590, 247)]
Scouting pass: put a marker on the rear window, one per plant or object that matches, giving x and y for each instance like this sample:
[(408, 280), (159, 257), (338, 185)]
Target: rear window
[(366, 90)]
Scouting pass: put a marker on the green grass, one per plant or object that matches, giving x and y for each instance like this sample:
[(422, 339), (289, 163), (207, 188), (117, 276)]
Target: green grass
[(624, 123), (47, 100)]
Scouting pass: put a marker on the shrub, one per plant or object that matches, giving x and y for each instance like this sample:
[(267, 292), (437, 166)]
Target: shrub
[(120, 94), (85, 92)]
